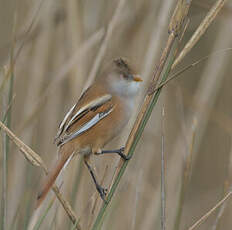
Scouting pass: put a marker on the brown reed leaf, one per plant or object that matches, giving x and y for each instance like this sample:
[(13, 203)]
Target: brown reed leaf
[(36, 160), (211, 15)]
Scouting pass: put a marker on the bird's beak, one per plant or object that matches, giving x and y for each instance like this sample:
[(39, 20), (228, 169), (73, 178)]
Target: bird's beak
[(137, 78)]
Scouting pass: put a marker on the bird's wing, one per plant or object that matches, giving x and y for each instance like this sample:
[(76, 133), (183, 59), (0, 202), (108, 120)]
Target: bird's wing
[(84, 115), (89, 110)]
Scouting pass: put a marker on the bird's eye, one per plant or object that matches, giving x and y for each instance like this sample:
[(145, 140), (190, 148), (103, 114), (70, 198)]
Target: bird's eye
[(123, 76), (126, 76)]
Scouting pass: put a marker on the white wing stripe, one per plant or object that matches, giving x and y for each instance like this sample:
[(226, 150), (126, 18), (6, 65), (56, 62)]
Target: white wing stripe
[(66, 116), (61, 126), (87, 126), (90, 105)]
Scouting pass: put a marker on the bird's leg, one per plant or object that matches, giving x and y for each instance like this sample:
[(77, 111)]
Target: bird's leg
[(102, 191), (120, 152)]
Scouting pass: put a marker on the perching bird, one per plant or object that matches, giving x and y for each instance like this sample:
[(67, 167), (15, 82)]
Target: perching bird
[(100, 114)]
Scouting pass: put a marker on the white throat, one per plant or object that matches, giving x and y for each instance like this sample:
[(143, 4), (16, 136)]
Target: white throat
[(125, 88)]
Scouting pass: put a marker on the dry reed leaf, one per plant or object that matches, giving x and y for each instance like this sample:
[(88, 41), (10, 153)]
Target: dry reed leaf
[(35, 159), (212, 210), (29, 154), (211, 15)]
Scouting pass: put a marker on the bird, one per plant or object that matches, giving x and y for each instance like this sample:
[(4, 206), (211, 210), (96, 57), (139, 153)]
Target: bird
[(100, 114)]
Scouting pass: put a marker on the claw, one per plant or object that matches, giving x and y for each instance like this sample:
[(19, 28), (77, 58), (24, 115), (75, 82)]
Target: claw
[(122, 149), (121, 153), (102, 191), (125, 157)]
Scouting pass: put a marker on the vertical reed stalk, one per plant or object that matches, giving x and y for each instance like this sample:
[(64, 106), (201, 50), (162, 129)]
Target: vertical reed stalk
[(150, 99)]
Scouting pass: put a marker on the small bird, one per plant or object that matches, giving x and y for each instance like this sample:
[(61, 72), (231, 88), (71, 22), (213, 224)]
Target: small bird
[(100, 114)]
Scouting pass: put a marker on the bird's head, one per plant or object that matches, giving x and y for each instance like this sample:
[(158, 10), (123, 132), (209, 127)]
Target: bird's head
[(122, 79)]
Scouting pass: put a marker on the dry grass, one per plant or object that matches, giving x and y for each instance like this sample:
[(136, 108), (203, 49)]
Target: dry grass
[(59, 48)]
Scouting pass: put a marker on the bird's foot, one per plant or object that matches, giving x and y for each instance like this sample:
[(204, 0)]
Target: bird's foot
[(120, 152), (102, 191)]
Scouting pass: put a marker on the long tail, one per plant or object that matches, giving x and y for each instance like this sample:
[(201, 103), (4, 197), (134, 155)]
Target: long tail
[(51, 177)]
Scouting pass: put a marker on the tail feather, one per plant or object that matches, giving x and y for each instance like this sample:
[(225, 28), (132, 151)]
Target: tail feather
[(53, 174)]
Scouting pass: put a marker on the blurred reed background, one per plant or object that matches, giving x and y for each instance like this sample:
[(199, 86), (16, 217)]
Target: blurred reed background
[(57, 58)]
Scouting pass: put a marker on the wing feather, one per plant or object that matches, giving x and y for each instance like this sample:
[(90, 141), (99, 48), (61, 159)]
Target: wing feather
[(86, 126), (91, 105), (82, 116), (61, 126)]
